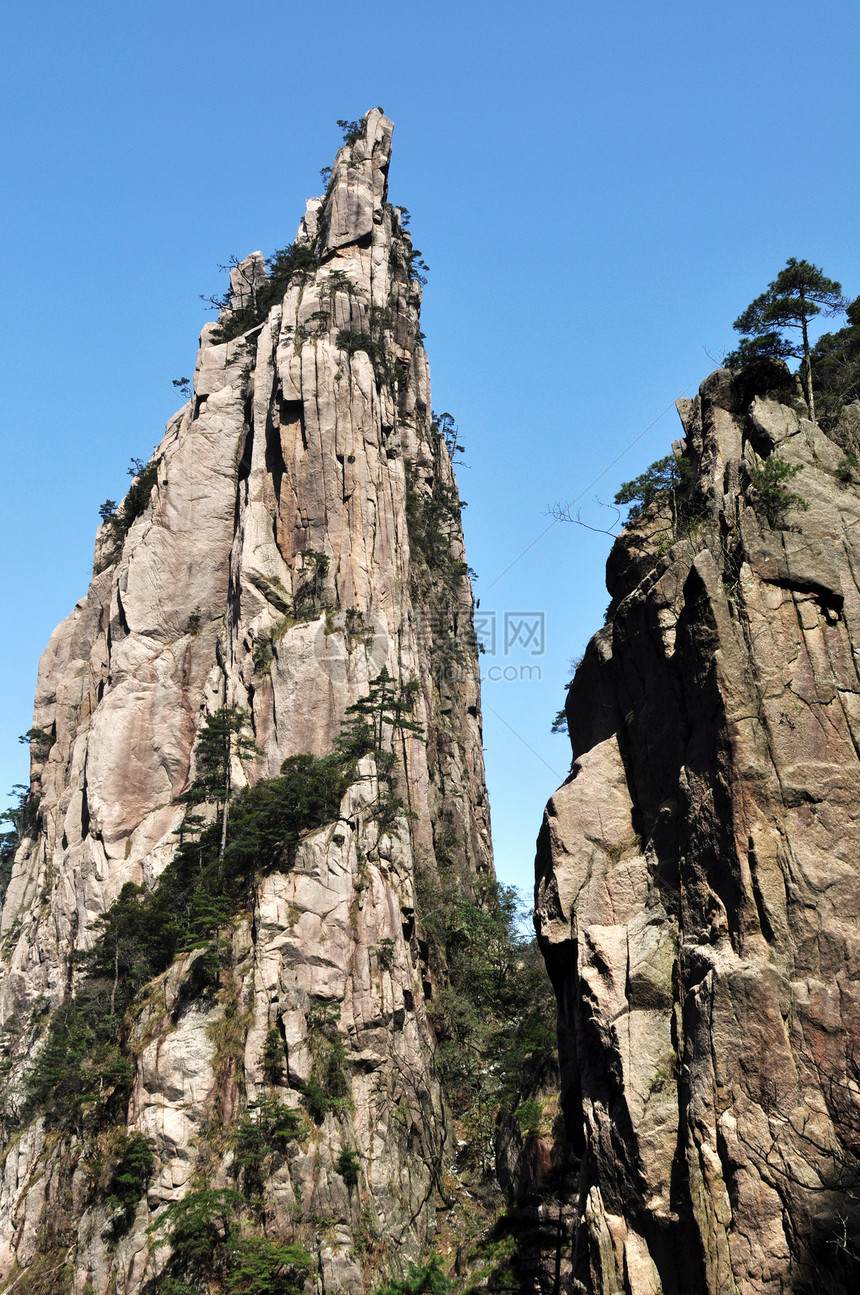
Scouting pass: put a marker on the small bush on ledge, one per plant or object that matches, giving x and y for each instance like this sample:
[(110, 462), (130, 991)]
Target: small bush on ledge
[(772, 498)]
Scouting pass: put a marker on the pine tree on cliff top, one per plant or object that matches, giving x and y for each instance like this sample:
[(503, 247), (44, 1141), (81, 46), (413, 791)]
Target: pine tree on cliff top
[(796, 295)]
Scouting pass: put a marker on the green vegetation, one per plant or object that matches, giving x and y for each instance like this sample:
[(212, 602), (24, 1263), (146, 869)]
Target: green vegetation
[(23, 819), (443, 425), (372, 341), (204, 1230), (24, 816), (353, 131), (423, 1279), (327, 1090), (433, 523), (651, 486), (348, 1166), (352, 340), (221, 739), (387, 706), (385, 953), (264, 647), (82, 1072), (416, 265), (495, 1012), (206, 1239), (192, 625), (371, 725), (663, 480), (309, 596), (39, 741), (666, 484), (263, 1134), (529, 1117), (433, 518), (769, 346), (81, 1067), (559, 724), (292, 264), (356, 629), (848, 469), (198, 1227), (273, 1057), (771, 496), (10, 1037), (260, 1266), (131, 1174), (836, 364), (798, 293), (120, 521)]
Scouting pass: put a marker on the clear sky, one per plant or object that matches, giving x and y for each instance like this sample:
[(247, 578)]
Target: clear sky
[(599, 189)]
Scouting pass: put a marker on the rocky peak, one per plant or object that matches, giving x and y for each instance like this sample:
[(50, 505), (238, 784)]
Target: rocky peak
[(266, 577), (697, 880), (245, 278), (358, 186)]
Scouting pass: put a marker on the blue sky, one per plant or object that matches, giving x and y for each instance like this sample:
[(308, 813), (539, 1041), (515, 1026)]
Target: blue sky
[(598, 189)]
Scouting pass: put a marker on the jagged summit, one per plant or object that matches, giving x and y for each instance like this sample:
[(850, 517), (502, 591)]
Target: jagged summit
[(345, 216), (292, 551), (358, 187)]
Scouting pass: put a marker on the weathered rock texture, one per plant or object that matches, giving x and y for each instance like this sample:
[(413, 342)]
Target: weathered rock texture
[(698, 882), (310, 434)]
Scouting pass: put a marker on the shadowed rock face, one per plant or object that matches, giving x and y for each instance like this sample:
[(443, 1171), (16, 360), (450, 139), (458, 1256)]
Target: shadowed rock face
[(298, 442), (698, 888)]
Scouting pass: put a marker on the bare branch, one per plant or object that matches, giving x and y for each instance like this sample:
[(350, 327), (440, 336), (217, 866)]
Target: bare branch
[(562, 513)]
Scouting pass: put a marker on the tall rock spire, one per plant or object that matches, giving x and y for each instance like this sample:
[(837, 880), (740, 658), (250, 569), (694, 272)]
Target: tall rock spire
[(295, 538)]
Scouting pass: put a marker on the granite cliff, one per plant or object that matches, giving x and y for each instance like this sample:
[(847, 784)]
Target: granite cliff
[(698, 887), (292, 550)]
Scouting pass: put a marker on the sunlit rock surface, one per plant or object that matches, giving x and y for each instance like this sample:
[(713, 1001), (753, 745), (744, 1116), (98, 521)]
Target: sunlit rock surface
[(295, 444)]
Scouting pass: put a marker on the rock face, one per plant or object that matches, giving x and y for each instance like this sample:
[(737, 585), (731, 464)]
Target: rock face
[(698, 889), (271, 558)]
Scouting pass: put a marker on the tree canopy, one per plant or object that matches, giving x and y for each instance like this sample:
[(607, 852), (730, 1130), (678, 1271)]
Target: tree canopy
[(836, 361), (798, 293), (222, 737)]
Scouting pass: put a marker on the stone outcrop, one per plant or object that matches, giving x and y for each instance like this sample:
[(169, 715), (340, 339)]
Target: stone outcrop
[(269, 560), (698, 889)]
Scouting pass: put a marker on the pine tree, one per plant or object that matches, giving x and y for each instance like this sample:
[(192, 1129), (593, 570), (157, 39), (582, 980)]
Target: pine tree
[(387, 703), (836, 361), (222, 737), (796, 295)]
